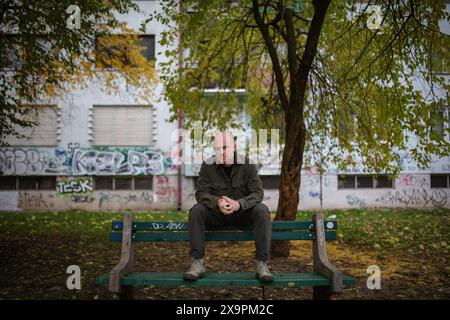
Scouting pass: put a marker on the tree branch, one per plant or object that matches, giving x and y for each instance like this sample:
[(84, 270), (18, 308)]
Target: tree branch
[(272, 53)]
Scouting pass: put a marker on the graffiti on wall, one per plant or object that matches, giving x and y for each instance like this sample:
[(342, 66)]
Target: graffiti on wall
[(414, 197), (20, 161), (77, 189), (124, 199), (409, 180), (33, 200), (59, 161), (164, 190), (314, 195), (129, 162), (355, 201)]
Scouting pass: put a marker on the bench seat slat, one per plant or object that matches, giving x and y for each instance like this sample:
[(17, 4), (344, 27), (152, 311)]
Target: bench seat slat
[(223, 279), (221, 236), (183, 226)]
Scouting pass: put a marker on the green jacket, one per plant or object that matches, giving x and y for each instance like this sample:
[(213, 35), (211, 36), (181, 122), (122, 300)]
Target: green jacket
[(244, 184)]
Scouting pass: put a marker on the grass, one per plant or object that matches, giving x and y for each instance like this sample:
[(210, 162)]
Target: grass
[(411, 230), (408, 230), (37, 247), (76, 222)]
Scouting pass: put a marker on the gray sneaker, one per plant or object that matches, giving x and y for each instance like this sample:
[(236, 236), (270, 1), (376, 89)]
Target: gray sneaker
[(262, 272), (196, 271)]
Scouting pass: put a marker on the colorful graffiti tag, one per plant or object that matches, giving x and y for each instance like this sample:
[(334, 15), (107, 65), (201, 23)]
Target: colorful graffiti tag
[(34, 161), (130, 162), (78, 189)]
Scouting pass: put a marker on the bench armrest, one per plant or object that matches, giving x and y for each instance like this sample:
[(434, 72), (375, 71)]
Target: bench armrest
[(126, 263), (321, 264)]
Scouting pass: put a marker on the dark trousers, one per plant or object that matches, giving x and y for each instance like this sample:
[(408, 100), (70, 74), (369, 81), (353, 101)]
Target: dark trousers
[(201, 218)]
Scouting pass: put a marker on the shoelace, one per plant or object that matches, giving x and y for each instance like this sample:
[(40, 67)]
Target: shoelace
[(197, 263)]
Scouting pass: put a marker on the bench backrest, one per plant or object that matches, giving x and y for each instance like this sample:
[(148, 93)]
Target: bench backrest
[(176, 231)]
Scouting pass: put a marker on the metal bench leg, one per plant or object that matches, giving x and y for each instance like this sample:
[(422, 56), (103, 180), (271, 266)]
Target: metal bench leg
[(321, 263), (126, 263), (126, 293), (321, 293)]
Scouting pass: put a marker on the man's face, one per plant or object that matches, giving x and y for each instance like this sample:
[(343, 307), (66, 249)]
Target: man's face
[(224, 148)]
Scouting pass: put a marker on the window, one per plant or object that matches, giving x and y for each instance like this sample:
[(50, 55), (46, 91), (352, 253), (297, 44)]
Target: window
[(27, 183), (123, 125), (143, 183), (439, 181), (42, 134), (37, 183), (46, 183), (346, 182), (271, 182), (8, 183), (12, 53), (114, 47), (148, 41), (123, 182), (383, 182), (103, 183), (364, 181)]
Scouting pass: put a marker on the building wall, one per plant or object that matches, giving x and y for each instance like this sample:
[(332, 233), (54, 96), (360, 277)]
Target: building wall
[(74, 162), (409, 191)]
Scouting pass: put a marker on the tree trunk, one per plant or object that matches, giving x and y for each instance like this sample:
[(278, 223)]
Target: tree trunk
[(290, 179), (295, 126)]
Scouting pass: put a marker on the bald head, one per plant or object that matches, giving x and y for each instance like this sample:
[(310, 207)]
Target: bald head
[(224, 148)]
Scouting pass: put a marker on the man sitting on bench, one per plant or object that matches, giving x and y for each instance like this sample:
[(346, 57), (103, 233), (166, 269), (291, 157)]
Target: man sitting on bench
[(229, 192)]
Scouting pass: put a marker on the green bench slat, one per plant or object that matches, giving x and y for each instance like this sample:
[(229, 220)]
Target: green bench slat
[(221, 236), (223, 279), (183, 226)]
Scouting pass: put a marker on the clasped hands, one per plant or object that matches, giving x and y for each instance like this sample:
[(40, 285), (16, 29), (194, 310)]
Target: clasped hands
[(227, 205)]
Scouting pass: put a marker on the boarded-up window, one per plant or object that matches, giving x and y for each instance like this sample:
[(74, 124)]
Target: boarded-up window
[(123, 125), (43, 134)]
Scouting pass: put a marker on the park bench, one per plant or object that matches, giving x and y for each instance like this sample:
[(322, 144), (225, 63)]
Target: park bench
[(326, 279)]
